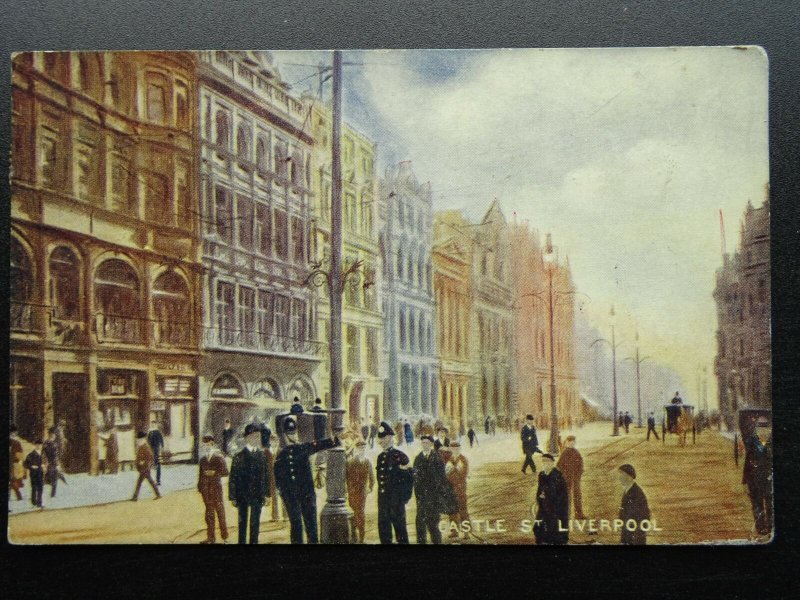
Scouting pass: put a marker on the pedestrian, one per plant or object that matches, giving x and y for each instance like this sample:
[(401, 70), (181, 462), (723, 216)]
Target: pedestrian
[(570, 463), (248, 484), (395, 486), (373, 431), (61, 439), (227, 437), (144, 463), (399, 432), (409, 434), (296, 408), (295, 481), (429, 481), (52, 474), (472, 436), (552, 498), (461, 430), (627, 420), (621, 419), (33, 463), (633, 508), (676, 399), (651, 426), (156, 441), (530, 444), (360, 481), (757, 476), (112, 451), (16, 470), (211, 469), (493, 425), (457, 470), (486, 425), (441, 441), (364, 429)]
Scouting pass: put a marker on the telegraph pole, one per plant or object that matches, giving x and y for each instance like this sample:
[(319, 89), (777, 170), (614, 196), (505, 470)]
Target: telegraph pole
[(614, 345), (638, 362), (335, 516)]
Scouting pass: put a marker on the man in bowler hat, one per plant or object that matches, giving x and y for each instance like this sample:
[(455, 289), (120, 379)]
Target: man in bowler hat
[(144, 463), (248, 485), (212, 468), (530, 444), (429, 482), (395, 486), (296, 483), (633, 507), (552, 498)]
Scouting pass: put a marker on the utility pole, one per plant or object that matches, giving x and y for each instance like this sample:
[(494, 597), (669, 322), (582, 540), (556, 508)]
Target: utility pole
[(638, 362), (614, 345), (335, 517), (552, 446)]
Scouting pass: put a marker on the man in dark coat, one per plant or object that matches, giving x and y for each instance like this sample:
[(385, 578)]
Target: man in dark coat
[(430, 480), (156, 442), (144, 463), (486, 425), (248, 484), (627, 420), (395, 485), (552, 498), (373, 431), (530, 444), (632, 508), (676, 399), (570, 463), (471, 435), (296, 483), (757, 476), (408, 432), (33, 463), (227, 437), (651, 426), (212, 468), (50, 454)]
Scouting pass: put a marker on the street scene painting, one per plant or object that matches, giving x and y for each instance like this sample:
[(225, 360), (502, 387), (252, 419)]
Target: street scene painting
[(511, 296)]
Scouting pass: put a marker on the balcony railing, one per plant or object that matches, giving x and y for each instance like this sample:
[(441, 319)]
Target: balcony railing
[(259, 342), (167, 333), (113, 328)]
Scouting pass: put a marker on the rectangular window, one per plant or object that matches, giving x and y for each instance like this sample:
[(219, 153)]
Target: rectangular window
[(298, 241), (299, 320), (372, 351), (157, 204), (350, 212), (263, 229), (155, 100), (282, 316), (181, 105), (353, 349), (265, 315), (281, 235), (48, 161), (223, 216), (247, 323), (244, 218), (225, 311), (120, 187)]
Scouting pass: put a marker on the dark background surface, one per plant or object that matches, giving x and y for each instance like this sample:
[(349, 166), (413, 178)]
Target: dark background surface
[(469, 572)]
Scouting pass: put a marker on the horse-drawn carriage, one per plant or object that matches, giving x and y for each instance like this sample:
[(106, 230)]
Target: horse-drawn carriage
[(749, 421), (678, 419)]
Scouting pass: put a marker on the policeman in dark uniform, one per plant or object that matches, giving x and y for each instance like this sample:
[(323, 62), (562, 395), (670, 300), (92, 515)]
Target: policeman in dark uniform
[(296, 483), (395, 485)]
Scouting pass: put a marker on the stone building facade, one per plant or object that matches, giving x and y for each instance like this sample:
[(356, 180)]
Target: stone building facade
[(259, 312), (744, 361), (105, 283)]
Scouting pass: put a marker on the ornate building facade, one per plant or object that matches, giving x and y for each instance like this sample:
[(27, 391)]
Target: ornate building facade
[(412, 380), (105, 284), (362, 319), (742, 293), (255, 172)]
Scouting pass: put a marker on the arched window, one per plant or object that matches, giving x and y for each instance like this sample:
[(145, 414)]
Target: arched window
[(267, 389), (223, 130), (117, 302), (262, 155), (64, 289), (227, 387), (301, 389), (243, 143), (21, 283), (172, 310)]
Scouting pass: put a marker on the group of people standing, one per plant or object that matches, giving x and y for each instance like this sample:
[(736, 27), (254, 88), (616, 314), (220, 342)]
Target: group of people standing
[(40, 466)]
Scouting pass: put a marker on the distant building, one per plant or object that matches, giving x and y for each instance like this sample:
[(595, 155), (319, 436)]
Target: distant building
[(412, 384), (104, 282), (259, 311), (742, 293)]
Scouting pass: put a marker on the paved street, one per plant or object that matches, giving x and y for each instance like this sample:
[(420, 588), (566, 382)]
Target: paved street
[(694, 494)]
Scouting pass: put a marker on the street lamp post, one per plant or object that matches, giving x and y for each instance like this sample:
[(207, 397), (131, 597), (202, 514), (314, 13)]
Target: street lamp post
[(638, 362), (548, 257), (614, 345)]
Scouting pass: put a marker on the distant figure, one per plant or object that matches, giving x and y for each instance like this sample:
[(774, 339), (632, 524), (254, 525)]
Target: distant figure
[(112, 451), (33, 463), (473, 438), (212, 468), (570, 463), (627, 420), (227, 437), (317, 406), (552, 499), (16, 470), (296, 408), (633, 507), (530, 444), (457, 470), (441, 441), (52, 474), (486, 425), (651, 426), (364, 430), (409, 434), (360, 481), (373, 431), (248, 484), (61, 438), (676, 399), (156, 442), (144, 463), (621, 419)]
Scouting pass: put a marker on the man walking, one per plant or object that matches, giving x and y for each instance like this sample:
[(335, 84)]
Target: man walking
[(156, 442), (628, 419), (632, 508), (248, 485), (472, 436), (144, 463), (50, 454), (212, 468), (651, 426), (486, 425), (373, 431), (553, 501), (530, 444), (429, 481), (570, 463), (33, 463), (360, 481), (395, 485)]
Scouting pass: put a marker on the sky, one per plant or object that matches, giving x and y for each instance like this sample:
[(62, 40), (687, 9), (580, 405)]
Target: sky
[(625, 155)]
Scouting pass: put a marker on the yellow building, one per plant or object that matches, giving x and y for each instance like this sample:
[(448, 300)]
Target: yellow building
[(104, 273), (362, 318)]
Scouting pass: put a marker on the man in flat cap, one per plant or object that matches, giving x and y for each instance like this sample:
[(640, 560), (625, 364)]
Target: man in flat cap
[(553, 504), (212, 468), (530, 444), (248, 485), (360, 481), (429, 486), (633, 507), (144, 464), (395, 486), (295, 481)]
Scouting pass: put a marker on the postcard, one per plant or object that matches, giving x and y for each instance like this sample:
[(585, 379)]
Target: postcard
[(467, 297)]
